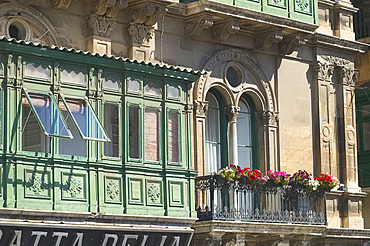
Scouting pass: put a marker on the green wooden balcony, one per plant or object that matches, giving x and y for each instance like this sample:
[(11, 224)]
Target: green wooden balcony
[(300, 10)]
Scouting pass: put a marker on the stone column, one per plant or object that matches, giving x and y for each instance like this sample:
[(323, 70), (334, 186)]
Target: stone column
[(232, 113), (269, 147)]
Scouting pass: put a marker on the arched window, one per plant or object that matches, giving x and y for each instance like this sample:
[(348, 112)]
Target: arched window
[(247, 134), (213, 138)]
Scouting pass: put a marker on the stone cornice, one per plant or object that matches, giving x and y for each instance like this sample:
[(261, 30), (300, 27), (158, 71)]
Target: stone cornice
[(338, 43)]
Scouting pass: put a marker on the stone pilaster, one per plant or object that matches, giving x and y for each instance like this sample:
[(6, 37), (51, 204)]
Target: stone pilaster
[(200, 110)]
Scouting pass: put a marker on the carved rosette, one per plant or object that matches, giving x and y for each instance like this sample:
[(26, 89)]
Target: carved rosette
[(140, 33), (36, 185), (265, 40), (112, 190), (195, 26), (100, 25), (73, 186), (232, 113), (221, 33), (348, 76), (154, 193), (200, 108)]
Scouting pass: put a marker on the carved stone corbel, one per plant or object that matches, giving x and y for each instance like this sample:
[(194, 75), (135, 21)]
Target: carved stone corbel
[(265, 40), (348, 76), (195, 26), (270, 118), (288, 45), (61, 4), (223, 31), (148, 14), (140, 33), (109, 8), (100, 25)]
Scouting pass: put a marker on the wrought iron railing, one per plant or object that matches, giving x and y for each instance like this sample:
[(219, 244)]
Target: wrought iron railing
[(219, 199)]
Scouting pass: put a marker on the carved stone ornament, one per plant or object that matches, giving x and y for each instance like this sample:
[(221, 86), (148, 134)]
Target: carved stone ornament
[(265, 40), (232, 113), (109, 8), (348, 75), (140, 33), (288, 45), (36, 184), (112, 190), (73, 186), (335, 60), (195, 27), (100, 25), (270, 118), (222, 32), (324, 71), (200, 108), (148, 14), (61, 4)]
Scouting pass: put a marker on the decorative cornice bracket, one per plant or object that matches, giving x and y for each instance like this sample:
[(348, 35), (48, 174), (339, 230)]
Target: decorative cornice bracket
[(109, 8), (223, 31), (289, 44), (265, 40), (140, 33), (148, 14), (61, 4), (100, 25), (195, 26)]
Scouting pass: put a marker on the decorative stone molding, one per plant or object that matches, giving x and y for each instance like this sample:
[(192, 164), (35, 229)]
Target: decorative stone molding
[(324, 71), (335, 60), (195, 26), (200, 108), (221, 33), (348, 76), (288, 45), (100, 25), (232, 113), (109, 8), (270, 118), (140, 33), (265, 40), (61, 4)]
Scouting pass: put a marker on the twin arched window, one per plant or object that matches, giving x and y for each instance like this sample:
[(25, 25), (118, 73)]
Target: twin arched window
[(216, 136)]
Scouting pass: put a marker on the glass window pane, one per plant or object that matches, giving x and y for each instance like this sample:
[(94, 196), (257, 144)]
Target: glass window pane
[(49, 116), (212, 135), (366, 135), (365, 110), (72, 76), (173, 136), (151, 90), (38, 71), (244, 128), (151, 134), (133, 119), (111, 124), (85, 118), (111, 83), (173, 92), (133, 85)]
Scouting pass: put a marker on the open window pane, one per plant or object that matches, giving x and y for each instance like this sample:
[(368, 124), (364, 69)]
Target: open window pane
[(111, 124), (47, 114), (173, 136), (85, 119), (133, 119), (151, 129)]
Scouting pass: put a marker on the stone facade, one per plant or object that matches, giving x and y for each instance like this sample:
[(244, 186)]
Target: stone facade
[(295, 64)]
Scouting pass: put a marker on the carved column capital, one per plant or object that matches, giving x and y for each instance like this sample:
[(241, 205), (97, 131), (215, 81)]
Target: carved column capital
[(200, 108), (108, 8), (140, 33), (323, 71), (195, 26), (265, 40), (289, 44), (348, 76), (232, 113), (269, 118), (100, 25), (223, 31)]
